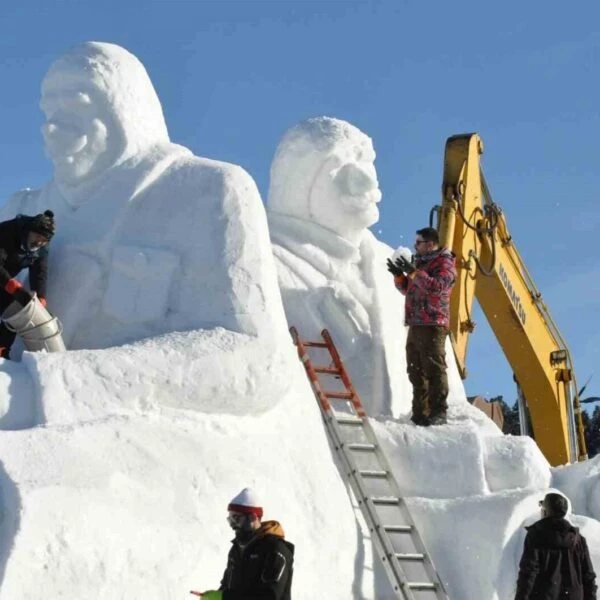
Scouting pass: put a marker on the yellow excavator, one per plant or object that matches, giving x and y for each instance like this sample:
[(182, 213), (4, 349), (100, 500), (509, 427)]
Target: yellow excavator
[(490, 269)]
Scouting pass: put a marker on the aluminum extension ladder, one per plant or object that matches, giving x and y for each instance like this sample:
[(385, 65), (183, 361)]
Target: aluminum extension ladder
[(407, 564)]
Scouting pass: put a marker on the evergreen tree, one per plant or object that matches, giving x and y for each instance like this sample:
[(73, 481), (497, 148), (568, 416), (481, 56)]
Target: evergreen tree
[(511, 416), (592, 431)]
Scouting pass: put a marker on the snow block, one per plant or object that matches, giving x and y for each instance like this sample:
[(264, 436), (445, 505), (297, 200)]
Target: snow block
[(513, 462), (467, 537), (580, 482), (136, 507), (422, 457), (17, 397)]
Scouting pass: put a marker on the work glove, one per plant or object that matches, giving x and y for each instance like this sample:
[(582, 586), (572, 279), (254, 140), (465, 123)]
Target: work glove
[(405, 266), (393, 269), (22, 296)]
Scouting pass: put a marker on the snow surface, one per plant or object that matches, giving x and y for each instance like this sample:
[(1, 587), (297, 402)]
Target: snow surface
[(119, 457)]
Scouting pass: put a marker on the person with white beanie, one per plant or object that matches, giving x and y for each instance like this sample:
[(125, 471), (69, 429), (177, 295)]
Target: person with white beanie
[(260, 562)]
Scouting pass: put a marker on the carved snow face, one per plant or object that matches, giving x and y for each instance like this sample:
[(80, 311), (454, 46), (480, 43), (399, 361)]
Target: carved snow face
[(101, 109), (345, 193), (323, 171), (76, 133)]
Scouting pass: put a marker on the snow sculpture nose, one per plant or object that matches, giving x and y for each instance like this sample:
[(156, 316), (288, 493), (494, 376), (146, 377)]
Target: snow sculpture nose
[(356, 180)]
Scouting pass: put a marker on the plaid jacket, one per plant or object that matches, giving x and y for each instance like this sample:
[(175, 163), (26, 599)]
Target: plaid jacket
[(428, 290)]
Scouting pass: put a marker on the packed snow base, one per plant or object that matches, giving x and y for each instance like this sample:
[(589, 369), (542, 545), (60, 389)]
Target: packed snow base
[(119, 458)]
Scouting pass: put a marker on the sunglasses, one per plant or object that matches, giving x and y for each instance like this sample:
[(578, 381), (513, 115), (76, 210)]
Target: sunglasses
[(236, 519)]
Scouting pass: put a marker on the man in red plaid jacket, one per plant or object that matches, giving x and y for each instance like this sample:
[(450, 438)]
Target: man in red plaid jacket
[(427, 285)]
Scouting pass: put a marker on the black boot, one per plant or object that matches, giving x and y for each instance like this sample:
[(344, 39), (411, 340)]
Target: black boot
[(421, 420)]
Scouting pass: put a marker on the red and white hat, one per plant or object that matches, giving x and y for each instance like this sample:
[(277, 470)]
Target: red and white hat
[(246, 502)]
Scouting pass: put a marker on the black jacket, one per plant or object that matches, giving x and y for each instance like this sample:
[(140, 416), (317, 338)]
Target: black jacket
[(262, 569), (556, 563), (14, 257)]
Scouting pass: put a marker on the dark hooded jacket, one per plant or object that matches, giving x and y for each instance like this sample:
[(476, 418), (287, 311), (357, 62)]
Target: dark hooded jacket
[(556, 563), (14, 257), (262, 569)]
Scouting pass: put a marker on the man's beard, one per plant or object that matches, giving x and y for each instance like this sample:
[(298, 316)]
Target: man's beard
[(243, 536)]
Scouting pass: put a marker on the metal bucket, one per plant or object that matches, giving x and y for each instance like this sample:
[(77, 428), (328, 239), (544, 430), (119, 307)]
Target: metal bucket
[(38, 329)]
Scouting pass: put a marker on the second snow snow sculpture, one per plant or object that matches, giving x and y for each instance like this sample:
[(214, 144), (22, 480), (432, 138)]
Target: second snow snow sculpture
[(323, 197)]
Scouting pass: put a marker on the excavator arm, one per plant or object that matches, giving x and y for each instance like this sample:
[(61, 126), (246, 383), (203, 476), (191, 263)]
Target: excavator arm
[(490, 269)]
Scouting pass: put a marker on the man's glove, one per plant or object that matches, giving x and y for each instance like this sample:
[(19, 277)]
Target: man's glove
[(393, 269), (22, 296), (405, 266)]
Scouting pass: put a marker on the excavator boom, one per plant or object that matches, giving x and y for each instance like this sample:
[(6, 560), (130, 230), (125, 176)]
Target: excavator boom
[(490, 269)]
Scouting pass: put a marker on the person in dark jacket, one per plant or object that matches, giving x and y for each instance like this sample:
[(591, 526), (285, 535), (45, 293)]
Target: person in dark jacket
[(23, 245), (556, 563), (260, 562), (427, 285)]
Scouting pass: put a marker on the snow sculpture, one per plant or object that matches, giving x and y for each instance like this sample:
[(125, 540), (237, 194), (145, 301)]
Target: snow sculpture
[(150, 238), (332, 274)]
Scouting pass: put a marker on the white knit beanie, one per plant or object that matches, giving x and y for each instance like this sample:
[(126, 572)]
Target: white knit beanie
[(246, 502)]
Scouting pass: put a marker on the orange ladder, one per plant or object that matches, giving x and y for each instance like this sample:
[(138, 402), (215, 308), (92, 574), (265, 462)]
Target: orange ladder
[(408, 566)]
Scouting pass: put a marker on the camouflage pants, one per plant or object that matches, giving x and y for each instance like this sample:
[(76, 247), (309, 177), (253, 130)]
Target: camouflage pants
[(426, 366)]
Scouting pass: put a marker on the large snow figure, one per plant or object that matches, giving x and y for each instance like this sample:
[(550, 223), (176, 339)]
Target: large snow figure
[(323, 197), (117, 276), (150, 238)]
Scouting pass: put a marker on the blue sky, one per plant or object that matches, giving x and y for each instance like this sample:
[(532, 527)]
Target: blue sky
[(232, 76)]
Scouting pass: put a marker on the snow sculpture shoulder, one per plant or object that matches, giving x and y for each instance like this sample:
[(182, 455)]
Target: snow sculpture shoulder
[(323, 197), (150, 238)]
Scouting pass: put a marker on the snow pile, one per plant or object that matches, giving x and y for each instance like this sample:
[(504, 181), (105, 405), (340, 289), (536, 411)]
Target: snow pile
[(119, 458)]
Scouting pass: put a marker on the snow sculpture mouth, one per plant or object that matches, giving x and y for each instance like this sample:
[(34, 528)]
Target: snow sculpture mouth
[(60, 146), (362, 202), (74, 150)]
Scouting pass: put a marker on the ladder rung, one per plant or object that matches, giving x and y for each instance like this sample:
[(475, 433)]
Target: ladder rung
[(398, 528), (330, 370), (421, 585), (385, 500), (339, 395), (362, 447), (349, 420), (315, 344), (374, 474), (409, 556)]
